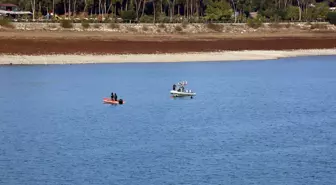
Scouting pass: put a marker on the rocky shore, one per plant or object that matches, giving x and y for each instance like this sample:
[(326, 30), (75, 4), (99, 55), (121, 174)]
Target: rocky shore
[(181, 28)]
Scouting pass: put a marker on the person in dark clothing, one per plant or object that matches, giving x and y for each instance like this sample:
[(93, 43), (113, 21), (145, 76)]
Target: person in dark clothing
[(174, 87), (112, 96), (115, 97)]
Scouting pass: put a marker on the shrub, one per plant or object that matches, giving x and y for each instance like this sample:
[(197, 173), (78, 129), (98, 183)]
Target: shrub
[(288, 25), (178, 28), (185, 24), (145, 28), (215, 27), (163, 26), (85, 24), (6, 23), (275, 25), (146, 19), (163, 18), (66, 24), (114, 26), (128, 15), (97, 26), (254, 23), (331, 17)]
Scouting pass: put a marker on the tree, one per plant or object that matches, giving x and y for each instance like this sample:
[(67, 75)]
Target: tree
[(33, 8), (87, 3), (218, 10), (292, 13), (209, 9), (300, 10), (320, 11)]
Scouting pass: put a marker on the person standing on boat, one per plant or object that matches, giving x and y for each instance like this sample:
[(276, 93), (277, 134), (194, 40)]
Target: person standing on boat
[(112, 96), (174, 87), (115, 97)]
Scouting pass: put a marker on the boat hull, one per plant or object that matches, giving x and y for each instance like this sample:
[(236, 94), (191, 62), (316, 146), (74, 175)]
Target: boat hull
[(180, 94), (109, 101)]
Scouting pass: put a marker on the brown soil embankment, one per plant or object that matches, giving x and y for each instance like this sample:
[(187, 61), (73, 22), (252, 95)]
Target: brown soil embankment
[(88, 45)]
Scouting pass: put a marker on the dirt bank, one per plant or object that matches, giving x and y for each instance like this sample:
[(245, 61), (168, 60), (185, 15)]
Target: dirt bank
[(63, 46), (42, 43)]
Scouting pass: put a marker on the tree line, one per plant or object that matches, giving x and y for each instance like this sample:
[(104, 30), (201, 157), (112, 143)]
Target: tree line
[(190, 10)]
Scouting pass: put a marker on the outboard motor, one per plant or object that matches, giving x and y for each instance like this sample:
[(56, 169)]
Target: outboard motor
[(121, 101)]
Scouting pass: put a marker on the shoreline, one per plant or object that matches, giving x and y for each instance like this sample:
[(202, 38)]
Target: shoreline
[(12, 59)]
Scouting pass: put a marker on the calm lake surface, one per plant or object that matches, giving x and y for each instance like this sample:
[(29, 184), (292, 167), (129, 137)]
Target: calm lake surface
[(252, 122)]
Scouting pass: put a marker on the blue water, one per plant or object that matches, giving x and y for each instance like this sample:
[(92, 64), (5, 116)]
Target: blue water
[(252, 122)]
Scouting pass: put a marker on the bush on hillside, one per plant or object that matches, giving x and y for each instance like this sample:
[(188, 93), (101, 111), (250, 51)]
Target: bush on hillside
[(114, 26), (85, 24), (215, 27), (66, 24), (146, 19), (128, 15), (178, 28), (185, 24), (331, 17), (254, 23), (163, 26), (97, 26), (275, 25), (6, 23)]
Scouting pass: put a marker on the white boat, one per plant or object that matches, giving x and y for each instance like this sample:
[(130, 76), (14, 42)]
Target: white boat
[(180, 91), (179, 94)]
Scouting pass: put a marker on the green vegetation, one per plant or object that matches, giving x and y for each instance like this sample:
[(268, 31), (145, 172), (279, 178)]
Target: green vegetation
[(184, 24), (146, 19), (128, 15), (178, 28), (163, 26), (85, 24), (255, 23), (331, 16), (173, 11), (215, 27), (97, 26), (6, 23), (218, 11), (66, 24)]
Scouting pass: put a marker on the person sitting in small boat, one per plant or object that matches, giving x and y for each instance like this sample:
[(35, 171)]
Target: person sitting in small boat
[(174, 87), (112, 96)]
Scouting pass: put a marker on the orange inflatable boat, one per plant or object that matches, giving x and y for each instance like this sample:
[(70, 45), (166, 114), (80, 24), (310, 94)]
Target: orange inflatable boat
[(109, 101)]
